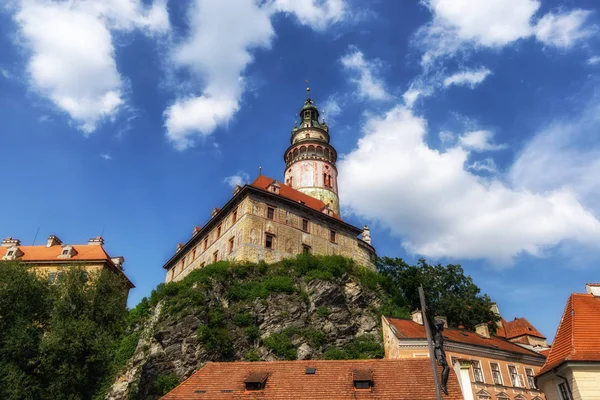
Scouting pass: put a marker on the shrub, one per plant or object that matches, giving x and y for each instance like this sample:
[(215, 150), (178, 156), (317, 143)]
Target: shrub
[(252, 332), (165, 383), (323, 312), (361, 347), (243, 319), (281, 345), (279, 284), (251, 355)]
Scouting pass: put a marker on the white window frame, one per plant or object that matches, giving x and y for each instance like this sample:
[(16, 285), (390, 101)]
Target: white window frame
[(516, 380), (532, 378), (499, 371), (567, 391), (479, 369)]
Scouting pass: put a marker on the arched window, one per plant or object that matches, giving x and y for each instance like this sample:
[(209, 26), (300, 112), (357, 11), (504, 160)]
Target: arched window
[(327, 154), (311, 150), (319, 151), (295, 153), (302, 151)]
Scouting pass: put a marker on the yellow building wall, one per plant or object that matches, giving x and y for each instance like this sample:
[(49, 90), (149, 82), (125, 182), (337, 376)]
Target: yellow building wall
[(393, 349), (587, 380), (249, 231)]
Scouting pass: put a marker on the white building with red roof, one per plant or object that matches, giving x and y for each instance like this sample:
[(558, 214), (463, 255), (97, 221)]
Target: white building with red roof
[(269, 220), (572, 369)]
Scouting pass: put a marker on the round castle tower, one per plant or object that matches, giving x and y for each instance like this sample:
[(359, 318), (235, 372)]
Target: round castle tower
[(310, 159)]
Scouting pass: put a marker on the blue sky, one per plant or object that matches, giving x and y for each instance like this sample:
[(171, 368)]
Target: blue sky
[(467, 131)]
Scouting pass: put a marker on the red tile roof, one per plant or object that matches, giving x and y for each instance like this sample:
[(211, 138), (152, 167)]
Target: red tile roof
[(263, 182), (520, 327), (407, 329), (578, 334), (42, 253), (392, 379)]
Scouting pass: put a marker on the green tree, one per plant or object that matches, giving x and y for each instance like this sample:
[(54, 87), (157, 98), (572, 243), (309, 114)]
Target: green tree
[(80, 343), (448, 291), (25, 305)]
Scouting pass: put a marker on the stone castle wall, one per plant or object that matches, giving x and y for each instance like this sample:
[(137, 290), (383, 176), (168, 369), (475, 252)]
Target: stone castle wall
[(249, 232)]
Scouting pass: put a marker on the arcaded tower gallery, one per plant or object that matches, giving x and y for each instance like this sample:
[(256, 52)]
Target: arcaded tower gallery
[(269, 220)]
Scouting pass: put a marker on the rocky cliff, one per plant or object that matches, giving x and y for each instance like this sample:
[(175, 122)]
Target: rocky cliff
[(305, 308)]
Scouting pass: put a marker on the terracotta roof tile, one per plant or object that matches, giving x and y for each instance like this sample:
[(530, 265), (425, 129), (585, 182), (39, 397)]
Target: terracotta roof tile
[(42, 253), (392, 379), (578, 334), (407, 329), (520, 327), (263, 182)]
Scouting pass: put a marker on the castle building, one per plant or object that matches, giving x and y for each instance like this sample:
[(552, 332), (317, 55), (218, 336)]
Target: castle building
[(269, 220), (488, 367), (52, 258)]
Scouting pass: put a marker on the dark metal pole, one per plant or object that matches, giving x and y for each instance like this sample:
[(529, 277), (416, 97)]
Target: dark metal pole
[(436, 378)]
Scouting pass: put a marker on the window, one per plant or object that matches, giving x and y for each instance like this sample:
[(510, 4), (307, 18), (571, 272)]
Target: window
[(530, 378), (65, 252), (565, 392), (291, 181), (216, 256), (10, 253), (205, 244), (305, 249), (173, 273), (270, 213), (234, 216), (219, 231), (332, 236), (477, 372), (305, 225), (182, 264), (362, 384), (52, 277), (269, 241), (230, 245), (514, 376), (496, 375), (194, 254), (202, 265)]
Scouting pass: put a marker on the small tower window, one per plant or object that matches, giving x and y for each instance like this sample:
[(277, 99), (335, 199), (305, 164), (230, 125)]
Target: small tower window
[(270, 213), (305, 225), (332, 235)]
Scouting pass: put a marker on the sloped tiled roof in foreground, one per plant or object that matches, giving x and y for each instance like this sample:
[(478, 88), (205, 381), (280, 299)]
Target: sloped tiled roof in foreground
[(402, 379), (408, 329), (578, 334), (263, 182), (83, 252)]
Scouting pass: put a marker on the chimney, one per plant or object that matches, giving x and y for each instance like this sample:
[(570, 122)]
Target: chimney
[(196, 230), (214, 212), (593, 288), (10, 242), (118, 261), (442, 318), (237, 189), (179, 247), (483, 330), (366, 235), (53, 241), (96, 241), (417, 317)]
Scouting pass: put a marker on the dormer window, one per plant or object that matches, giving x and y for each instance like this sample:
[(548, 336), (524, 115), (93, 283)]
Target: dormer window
[(363, 379), (256, 380), (12, 253), (67, 252)]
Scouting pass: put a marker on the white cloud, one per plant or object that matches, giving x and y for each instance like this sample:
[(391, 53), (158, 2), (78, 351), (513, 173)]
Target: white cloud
[(593, 60), (479, 141), (564, 154), (222, 37), (460, 25), (369, 86), (332, 108), (563, 29), (447, 137), (486, 165), (439, 209), (105, 156), (240, 178), (468, 77), (72, 60), (314, 13)]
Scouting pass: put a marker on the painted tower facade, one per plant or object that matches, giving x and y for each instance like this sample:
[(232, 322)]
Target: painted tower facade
[(310, 159)]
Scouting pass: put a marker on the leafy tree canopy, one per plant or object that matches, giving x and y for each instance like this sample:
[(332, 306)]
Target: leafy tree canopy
[(448, 291)]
